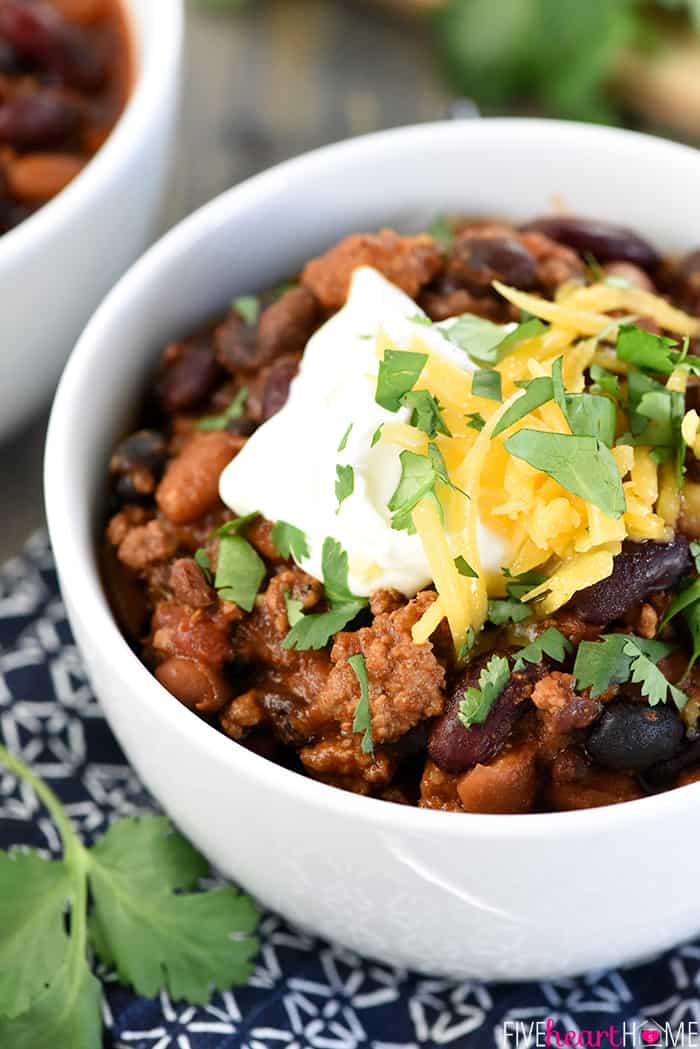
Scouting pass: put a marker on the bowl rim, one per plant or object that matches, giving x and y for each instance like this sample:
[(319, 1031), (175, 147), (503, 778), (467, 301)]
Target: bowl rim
[(151, 72), (73, 544)]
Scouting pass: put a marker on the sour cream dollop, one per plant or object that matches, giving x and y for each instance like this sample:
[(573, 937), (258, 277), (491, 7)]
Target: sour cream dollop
[(287, 469)]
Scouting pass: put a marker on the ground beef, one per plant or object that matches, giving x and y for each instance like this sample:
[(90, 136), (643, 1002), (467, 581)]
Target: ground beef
[(340, 762), (561, 710), (409, 262)]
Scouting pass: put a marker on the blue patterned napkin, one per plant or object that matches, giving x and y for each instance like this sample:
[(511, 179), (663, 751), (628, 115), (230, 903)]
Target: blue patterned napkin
[(305, 993)]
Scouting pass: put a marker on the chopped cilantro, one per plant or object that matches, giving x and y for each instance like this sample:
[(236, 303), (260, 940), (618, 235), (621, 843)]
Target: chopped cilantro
[(398, 373), (202, 559), (536, 393), (527, 329), (582, 465), (440, 229), (426, 413), (290, 541), (436, 457), (421, 318), (234, 411), (656, 688), (590, 415), (519, 585), (232, 527), (487, 383), (344, 439), (502, 610), (603, 663), (376, 436), (551, 642), (683, 599), (294, 608), (467, 645), (695, 554), (478, 337), (464, 568), (240, 571), (362, 722), (315, 630), (475, 421), (344, 484), (477, 703), (247, 307), (416, 482), (606, 381), (692, 621), (655, 353)]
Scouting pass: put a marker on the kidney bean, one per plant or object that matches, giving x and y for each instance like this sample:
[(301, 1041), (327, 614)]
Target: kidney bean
[(237, 346), (189, 587), (479, 260), (639, 570), (507, 785), (606, 241), (37, 31), (287, 324), (277, 382), (634, 736), (189, 379), (10, 62), (455, 748), (198, 686), (38, 120), (36, 177), (137, 463)]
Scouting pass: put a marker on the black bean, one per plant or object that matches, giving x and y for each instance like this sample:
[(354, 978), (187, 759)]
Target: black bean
[(662, 775), (639, 570), (37, 31), (606, 241), (137, 464), (36, 121), (634, 736), (189, 380), (479, 260), (455, 748)]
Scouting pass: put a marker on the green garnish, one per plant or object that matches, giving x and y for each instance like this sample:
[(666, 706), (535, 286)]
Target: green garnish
[(240, 571), (426, 413), (601, 664), (233, 527), (654, 353), (519, 585), (477, 703), (692, 621), (551, 642), (290, 541), (362, 722), (527, 329), (582, 465), (344, 439), (234, 411), (294, 608), (419, 477), (683, 599), (421, 318), (606, 381), (475, 421), (376, 436), (656, 688), (536, 393), (478, 337), (487, 383), (467, 645), (315, 630), (398, 373), (464, 568), (247, 307), (147, 923), (695, 553), (502, 610), (441, 230), (344, 484), (202, 559)]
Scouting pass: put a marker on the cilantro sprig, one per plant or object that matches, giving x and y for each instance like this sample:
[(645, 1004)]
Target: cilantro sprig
[(362, 722), (420, 475), (234, 411), (316, 629), (477, 703), (146, 922), (616, 659)]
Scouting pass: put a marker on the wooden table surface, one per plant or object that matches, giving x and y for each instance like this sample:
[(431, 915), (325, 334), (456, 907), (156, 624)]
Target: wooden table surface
[(262, 84)]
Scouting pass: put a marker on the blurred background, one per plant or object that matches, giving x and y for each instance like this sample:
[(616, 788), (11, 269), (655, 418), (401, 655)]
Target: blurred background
[(268, 79)]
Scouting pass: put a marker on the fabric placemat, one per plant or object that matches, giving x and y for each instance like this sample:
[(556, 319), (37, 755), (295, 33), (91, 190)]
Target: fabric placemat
[(305, 992)]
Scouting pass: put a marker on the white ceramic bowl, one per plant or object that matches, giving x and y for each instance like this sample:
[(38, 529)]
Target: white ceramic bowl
[(57, 265), (500, 897)]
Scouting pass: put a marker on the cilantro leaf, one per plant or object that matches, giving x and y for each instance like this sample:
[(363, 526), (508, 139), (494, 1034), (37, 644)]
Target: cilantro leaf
[(603, 663), (551, 642), (153, 936), (247, 307), (234, 411), (519, 585), (487, 383), (683, 599), (344, 439), (695, 553), (416, 482), (398, 373), (502, 611), (201, 557), (290, 541), (478, 337), (240, 571), (606, 381), (590, 415), (464, 568), (582, 465), (477, 703), (426, 414), (294, 609), (467, 645), (692, 621), (440, 229), (475, 421), (33, 944), (344, 484), (645, 350), (376, 436), (67, 1013), (527, 329), (656, 688), (536, 393), (315, 630), (362, 722), (232, 527)]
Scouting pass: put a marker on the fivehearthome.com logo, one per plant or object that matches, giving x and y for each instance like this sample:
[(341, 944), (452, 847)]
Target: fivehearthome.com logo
[(633, 1034)]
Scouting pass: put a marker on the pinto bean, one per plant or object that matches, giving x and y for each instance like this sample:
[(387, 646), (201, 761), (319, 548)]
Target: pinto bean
[(506, 785), (190, 378), (479, 260), (634, 736), (639, 570), (37, 121), (198, 686), (37, 31), (606, 241), (455, 748), (37, 177), (190, 485)]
